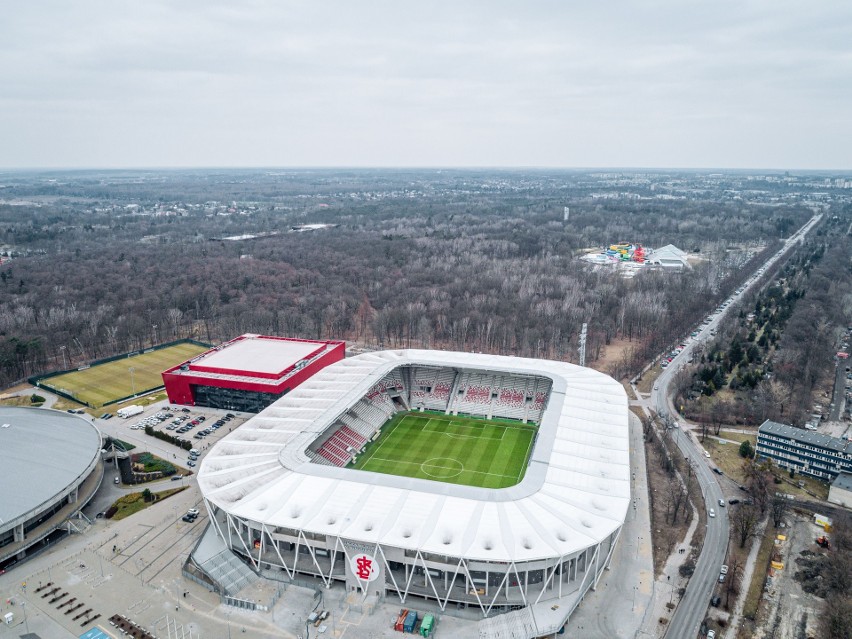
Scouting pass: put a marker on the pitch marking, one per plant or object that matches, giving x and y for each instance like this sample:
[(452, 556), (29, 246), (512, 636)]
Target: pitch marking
[(402, 461), (451, 471)]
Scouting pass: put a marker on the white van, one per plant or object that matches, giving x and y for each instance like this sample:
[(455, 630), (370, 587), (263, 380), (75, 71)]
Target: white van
[(194, 452)]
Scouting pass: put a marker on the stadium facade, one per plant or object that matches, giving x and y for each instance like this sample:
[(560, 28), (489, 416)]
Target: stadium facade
[(249, 372), (281, 497), (51, 468)]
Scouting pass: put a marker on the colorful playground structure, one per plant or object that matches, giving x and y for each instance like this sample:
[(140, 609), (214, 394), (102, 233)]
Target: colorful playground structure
[(626, 252), (620, 253)]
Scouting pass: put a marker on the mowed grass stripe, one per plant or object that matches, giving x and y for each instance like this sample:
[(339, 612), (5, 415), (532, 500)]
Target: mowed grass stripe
[(106, 382), (493, 454)]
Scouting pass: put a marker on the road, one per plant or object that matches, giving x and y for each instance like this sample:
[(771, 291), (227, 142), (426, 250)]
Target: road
[(686, 621), (838, 402)]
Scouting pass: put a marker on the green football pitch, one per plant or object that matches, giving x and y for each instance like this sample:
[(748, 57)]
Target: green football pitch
[(458, 450), (103, 383)]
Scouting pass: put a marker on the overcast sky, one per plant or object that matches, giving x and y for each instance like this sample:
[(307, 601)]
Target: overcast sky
[(566, 83)]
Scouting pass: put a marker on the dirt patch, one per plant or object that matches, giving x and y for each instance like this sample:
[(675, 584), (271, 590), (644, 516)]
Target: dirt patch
[(786, 610), (614, 357)]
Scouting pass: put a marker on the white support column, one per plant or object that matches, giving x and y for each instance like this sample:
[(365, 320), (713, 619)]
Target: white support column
[(450, 587), (276, 544)]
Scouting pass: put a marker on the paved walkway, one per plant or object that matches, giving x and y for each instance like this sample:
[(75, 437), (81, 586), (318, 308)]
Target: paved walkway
[(748, 571), (626, 590)]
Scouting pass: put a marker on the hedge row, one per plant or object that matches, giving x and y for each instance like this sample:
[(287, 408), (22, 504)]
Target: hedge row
[(149, 430)]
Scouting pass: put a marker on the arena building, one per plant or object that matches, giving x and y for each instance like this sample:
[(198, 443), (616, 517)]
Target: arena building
[(284, 494), (249, 372), (52, 467)]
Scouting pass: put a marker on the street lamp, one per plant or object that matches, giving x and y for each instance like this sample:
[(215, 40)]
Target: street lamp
[(228, 615), (26, 622)]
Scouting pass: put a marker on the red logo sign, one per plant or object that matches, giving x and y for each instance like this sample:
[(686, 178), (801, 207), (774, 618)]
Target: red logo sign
[(364, 567)]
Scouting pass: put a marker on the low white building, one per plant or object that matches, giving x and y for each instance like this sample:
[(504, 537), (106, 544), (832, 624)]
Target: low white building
[(669, 256), (840, 492)]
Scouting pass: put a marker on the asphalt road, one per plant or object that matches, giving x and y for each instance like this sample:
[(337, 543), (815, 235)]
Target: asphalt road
[(686, 622), (839, 395)]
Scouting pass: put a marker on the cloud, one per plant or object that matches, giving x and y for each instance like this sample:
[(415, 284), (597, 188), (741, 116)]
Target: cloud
[(665, 83)]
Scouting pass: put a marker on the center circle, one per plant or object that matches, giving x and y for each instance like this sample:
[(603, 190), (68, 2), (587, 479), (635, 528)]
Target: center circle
[(442, 467)]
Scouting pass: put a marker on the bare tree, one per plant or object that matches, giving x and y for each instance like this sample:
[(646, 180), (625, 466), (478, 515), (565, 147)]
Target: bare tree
[(836, 620), (779, 508), (718, 412), (745, 520), (759, 480), (679, 499), (733, 580)]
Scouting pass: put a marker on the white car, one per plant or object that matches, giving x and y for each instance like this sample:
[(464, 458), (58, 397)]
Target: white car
[(711, 634), (712, 513), (656, 387), (724, 569), (193, 512)]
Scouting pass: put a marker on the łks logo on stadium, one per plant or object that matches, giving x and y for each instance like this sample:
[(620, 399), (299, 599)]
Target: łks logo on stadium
[(364, 567)]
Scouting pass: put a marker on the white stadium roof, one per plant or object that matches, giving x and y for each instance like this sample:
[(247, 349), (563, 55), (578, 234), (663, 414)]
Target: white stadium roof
[(575, 493)]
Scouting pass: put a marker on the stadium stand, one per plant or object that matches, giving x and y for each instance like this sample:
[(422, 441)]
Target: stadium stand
[(469, 392)]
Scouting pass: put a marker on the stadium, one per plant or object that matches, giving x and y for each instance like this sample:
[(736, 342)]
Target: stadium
[(506, 492), (51, 468)]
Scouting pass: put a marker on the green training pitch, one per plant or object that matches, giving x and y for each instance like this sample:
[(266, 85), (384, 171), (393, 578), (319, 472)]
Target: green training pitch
[(107, 382), (457, 450)]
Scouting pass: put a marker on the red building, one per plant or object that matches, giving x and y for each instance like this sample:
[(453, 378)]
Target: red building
[(249, 372)]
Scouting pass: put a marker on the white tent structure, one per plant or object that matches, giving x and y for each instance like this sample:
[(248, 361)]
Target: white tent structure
[(669, 256)]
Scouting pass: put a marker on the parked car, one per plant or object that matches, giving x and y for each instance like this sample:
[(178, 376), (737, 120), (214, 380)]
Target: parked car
[(712, 513), (723, 570)]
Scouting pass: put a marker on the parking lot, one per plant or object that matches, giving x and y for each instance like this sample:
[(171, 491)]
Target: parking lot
[(197, 426)]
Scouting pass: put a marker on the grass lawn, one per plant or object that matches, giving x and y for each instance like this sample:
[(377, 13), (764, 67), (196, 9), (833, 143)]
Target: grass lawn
[(457, 450), (646, 384), (134, 502), (107, 382), (18, 400), (726, 457), (761, 565)]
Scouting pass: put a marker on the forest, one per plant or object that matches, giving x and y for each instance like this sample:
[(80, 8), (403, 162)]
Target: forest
[(100, 263)]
